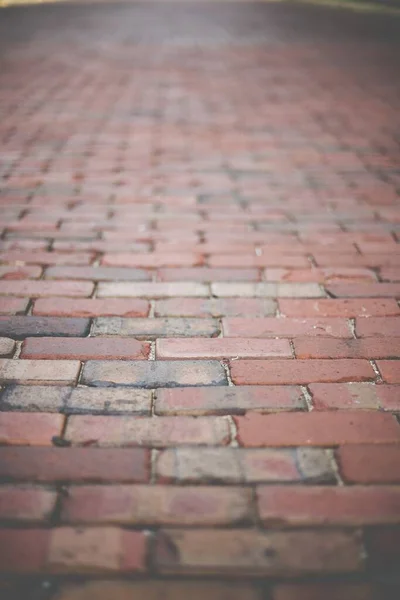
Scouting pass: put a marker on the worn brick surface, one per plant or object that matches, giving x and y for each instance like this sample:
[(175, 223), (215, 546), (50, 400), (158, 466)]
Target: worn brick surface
[(199, 300)]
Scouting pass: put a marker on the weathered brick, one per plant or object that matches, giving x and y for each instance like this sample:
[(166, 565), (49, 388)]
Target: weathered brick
[(85, 348), (77, 400), (98, 274), (46, 465), (239, 465), (142, 431), (335, 396), (317, 429), (323, 276), (370, 348), (275, 327), (267, 290), (48, 258), (152, 328), (378, 327), (339, 307), (328, 505), (383, 548), (178, 259), (23, 551), (222, 348), (389, 397), (34, 372), (328, 591), (21, 327), (280, 372), (215, 307), (364, 290), (390, 370), (154, 374), (91, 307), (162, 590), (227, 400), (206, 274), (289, 553), (150, 290), (26, 504), (96, 550), (157, 505), (28, 429), (370, 464), (251, 260), (7, 346), (15, 272), (13, 306), (42, 288)]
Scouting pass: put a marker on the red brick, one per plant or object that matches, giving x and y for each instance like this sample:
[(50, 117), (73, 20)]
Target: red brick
[(37, 289), (125, 289), (371, 261), (345, 308), (35, 372), (205, 274), (133, 431), (216, 307), (324, 276), (244, 465), (85, 348), (10, 272), (98, 274), (26, 504), (152, 261), (383, 548), (278, 372), (253, 552), (13, 306), (227, 400), (317, 429), (48, 258), (276, 327), (364, 290), (370, 348), (389, 397), (390, 274), (222, 348), (91, 307), (101, 465), (323, 505), (157, 505), (370, 464), (327, 591), (32, 429), (23, 551), (251, 260), (378, 327), (390, 370), (266, 290), (333, 396), (96, 550)]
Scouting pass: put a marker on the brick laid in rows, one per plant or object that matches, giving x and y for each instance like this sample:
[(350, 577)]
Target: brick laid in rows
[(153, 260), (42, 288), (35, 372), (370, 348), (91, 307), (79, 400), (228, 400), (323, 276), (26, 504), (222, 348), (13, 306), (154, 374), (389, 370), (152, 328), (48, 258), (206, 274), (148, 290), (162, 590), (267, 290), (85, 348), (383, 549), (141, 431), (11, 272), (20, 327), (214, 307), (244, 465), (317, 429), (157, 505), (90, 465), (378, 327), (241, 551), (328, 505), (339, 307), (335, 396), (275, 327), (28, 429), (370, 464), (278, 372), (364, 290), (327, 590), (97, 274), (72, 550), (7, 346)]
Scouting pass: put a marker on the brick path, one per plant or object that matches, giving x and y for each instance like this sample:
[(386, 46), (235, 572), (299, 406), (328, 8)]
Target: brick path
[(199, 195)]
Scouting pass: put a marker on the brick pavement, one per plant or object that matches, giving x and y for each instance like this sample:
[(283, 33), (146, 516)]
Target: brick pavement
[(200, 274)]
